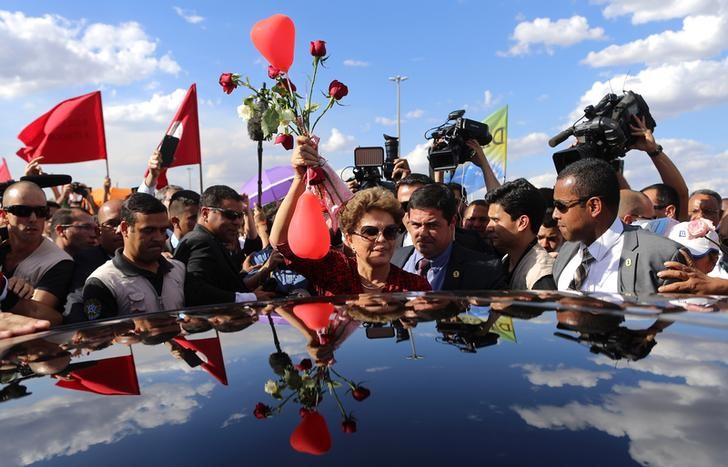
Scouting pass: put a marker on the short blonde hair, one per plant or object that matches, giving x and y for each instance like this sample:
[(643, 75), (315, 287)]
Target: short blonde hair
[(365, 201)]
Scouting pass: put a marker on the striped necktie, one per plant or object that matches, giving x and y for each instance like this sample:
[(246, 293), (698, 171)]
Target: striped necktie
[(583, 270), (423, 266)]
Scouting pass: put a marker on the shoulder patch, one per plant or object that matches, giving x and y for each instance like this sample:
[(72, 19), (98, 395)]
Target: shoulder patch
[(92, 308)]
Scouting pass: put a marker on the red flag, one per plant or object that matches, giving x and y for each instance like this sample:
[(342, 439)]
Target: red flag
[(210, 348), (4, 172), (72, 131), (114, 376), (188, 149)]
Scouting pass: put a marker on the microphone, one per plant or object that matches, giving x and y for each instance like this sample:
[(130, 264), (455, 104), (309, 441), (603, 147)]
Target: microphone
[(561, 137)]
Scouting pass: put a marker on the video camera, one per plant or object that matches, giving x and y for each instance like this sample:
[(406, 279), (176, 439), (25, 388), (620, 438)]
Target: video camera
[(372, 168), (79, 189), (448, 149), (606, 134)]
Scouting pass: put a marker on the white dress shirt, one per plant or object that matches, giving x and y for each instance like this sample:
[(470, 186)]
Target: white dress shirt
[(603, 275)]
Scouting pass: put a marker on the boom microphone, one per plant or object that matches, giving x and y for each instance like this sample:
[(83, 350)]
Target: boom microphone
[(561, 137)]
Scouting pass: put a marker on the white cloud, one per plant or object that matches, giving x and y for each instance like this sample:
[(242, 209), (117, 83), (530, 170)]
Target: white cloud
[(562, 376), (417, 113), (386, 121), (645, 11), (530, 145), (190, 16), (417, 158), (355, 63), (669, 89), (233, 419), (560, 33), (337, 142), (700, 37), (487, 98), (52, 51), (160, 108), (547, 180)]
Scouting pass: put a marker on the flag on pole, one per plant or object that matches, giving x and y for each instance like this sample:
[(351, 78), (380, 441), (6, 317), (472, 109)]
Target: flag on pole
[(211, 349), (72, 131), (114, 376), (185, 125), (4, 172), (496, 151)]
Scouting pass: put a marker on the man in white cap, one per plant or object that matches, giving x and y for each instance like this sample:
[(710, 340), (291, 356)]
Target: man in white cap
[(699, 237)]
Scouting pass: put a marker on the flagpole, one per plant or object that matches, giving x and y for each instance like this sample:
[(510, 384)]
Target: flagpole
[(103, 129), (200, 166)]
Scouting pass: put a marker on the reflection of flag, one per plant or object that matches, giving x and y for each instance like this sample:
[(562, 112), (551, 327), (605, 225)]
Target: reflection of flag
[(72, 131), (114, 376), (211, 349), (4, 172), (503, 326), (188, 150), (469, 175)]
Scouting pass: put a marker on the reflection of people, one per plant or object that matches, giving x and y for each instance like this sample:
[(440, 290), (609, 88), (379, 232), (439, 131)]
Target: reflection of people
[(370, 224), (605, 335), (601, 253)]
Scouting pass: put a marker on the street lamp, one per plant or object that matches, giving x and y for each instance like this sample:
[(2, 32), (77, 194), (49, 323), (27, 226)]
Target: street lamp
[(398, 79)]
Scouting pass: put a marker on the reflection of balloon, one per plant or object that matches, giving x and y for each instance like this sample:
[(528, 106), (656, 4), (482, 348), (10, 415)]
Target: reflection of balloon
[(311, 435), (274, 37), (308, 235), (314, 315)]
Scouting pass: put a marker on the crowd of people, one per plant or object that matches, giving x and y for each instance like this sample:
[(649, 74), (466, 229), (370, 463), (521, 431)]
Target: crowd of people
[(67, 260)]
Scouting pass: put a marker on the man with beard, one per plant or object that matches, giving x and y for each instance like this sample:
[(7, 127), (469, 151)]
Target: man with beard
[(214, 275), (138, 279)]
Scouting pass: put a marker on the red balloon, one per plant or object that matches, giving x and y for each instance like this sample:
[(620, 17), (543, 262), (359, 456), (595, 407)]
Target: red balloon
[(311, 436), (308, 235), (314, 315), (275, 37)]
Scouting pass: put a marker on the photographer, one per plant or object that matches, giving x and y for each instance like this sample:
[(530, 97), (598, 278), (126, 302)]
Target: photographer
[(77, 195)]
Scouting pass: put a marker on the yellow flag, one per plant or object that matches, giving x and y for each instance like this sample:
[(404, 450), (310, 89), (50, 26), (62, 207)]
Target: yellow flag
[(496, 151), (503, 326)]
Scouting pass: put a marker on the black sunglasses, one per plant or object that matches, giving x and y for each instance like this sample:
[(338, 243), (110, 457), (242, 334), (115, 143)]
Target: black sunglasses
[(563, 207), (229, 214), (371, 233), (21, 210)]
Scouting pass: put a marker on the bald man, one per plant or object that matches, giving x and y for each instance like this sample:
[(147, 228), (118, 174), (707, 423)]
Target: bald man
[(634, 205), (29, 255)]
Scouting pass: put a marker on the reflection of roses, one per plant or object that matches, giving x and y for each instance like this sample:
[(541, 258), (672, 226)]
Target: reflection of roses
[(227, 82), (261, 411), (699, 228), (360, 393), (285, 140), (337, 89), (348, 425), (318, 48)]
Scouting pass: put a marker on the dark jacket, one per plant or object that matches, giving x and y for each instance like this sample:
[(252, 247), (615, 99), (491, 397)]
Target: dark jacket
[(466, 270), (213, 274)]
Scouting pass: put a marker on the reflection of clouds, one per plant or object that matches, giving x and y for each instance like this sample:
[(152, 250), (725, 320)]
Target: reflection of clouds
[(562, 376), (666, 423), (377, 369), (233, 419), (68, 424)]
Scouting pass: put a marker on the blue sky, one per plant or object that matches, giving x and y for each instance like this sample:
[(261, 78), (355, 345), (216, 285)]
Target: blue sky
[(545, 60)]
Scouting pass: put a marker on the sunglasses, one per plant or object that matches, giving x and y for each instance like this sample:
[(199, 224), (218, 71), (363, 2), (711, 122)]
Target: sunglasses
[(88, 227), (563, 207), (20, 210), (371, 233), (229, 214)]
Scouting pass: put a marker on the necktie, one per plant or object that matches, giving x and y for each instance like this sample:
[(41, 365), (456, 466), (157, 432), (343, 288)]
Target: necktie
[(583, 270), (423, 266)]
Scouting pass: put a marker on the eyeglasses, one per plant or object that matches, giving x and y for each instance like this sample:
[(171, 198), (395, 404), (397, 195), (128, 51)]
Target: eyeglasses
[(111, 224), (87, 227), (229, 214), (371, 233), (563, 207), (20, 210)]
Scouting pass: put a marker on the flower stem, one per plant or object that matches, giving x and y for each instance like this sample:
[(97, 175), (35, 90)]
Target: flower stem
[(306, 119), (330, 104)]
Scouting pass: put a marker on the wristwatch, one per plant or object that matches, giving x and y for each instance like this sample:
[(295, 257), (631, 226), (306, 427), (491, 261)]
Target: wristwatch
[(656, 152)]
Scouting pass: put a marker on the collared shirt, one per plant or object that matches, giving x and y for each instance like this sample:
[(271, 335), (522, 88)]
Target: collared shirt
[(438, 267), (603, 273), (173, 240)]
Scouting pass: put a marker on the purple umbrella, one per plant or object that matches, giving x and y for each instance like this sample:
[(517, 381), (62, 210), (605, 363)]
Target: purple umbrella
[(276, 182)]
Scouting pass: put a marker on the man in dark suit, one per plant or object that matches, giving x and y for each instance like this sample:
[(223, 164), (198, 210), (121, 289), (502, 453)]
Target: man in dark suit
[(601, 253), (213, 273), (446, 264)]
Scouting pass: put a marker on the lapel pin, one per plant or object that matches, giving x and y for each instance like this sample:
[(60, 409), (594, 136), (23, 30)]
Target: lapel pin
[(456, 274), (628, 262)]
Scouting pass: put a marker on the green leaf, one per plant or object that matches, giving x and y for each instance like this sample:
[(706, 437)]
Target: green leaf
[(269, 123), (312, 107)]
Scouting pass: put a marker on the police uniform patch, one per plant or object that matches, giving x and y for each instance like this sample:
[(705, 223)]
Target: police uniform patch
[(92, 308)]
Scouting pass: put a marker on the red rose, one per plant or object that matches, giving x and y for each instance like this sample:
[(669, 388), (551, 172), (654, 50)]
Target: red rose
[(285, 140), (337, 89), (360, 393), (227, 82), (273, 72), (261, 411), (284, 84), (306, 364), (348, 426), (318, 48)]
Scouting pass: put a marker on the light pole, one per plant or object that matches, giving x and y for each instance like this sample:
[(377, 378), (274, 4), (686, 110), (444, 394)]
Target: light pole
[(398, 79)]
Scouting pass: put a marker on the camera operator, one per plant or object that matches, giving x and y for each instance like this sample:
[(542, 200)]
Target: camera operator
[(77, 195)]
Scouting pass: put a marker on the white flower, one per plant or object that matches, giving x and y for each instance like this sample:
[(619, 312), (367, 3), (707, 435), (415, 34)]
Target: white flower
[(271, 387), (245, 112)]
